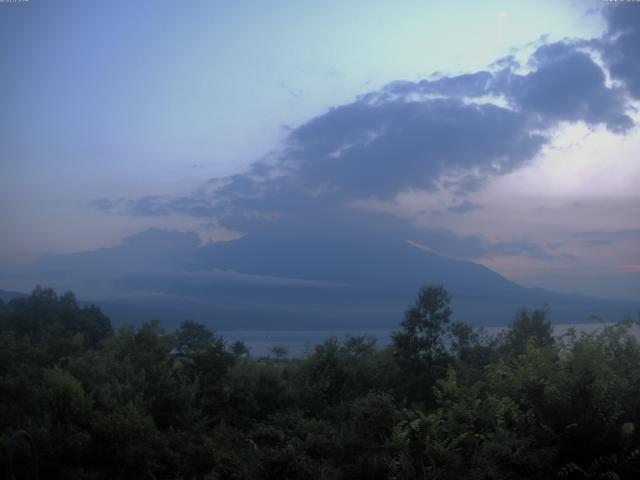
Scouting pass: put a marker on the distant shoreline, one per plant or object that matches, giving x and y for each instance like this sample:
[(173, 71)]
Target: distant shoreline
[(300, 342)]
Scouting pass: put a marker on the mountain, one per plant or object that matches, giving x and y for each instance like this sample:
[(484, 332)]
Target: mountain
[(7, 295), (294, 278)]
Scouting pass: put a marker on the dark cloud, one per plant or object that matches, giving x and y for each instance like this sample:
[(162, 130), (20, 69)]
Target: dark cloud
[(450, 244), (198, 204), (438, 133), (162, 240), (153, 205), (508, 62), (566, 85), (104, 204), (554, 245), (382, 148), (467, 85), (607, 237), (621, 48), (519, 248)]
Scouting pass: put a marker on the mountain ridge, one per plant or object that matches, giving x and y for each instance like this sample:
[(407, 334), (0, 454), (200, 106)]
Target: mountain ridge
[(307, 279)]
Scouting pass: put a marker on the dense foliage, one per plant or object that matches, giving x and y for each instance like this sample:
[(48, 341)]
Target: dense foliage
[(443, 401)]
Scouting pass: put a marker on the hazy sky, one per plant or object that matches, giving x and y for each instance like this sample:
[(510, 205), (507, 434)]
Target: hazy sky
[(116, 115)]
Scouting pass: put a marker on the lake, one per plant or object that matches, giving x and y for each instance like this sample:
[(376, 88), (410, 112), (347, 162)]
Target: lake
[(301, 342)]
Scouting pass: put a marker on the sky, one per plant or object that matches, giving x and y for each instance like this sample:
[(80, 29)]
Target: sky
[(501, 132)]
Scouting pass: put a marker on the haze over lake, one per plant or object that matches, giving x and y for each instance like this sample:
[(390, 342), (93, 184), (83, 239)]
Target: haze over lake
[(301, 343)]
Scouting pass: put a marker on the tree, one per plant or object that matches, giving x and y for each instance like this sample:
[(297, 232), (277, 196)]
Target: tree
[(193, 337), (280, 352), (419, 348), (420, 341), (531, 328), (240, 349)]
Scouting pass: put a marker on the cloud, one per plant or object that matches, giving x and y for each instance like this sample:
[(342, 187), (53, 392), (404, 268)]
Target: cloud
[(195, 205), (380, 147), (621, 46), (104, 204), (566, 85), (371, 147), (464, 207), (467, 85), (447, 134), (607, 237), (450, 244)]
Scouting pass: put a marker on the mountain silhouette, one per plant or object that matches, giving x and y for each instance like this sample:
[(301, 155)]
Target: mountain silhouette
[(288, 277)]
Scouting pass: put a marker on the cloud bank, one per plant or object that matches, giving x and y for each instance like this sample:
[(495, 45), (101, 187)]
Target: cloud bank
[(445, 135)]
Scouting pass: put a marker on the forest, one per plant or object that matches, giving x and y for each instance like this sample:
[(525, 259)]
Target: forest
[(82, 400)]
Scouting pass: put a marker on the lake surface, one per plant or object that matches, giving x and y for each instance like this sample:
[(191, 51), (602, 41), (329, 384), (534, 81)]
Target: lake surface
[(301, 342)]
